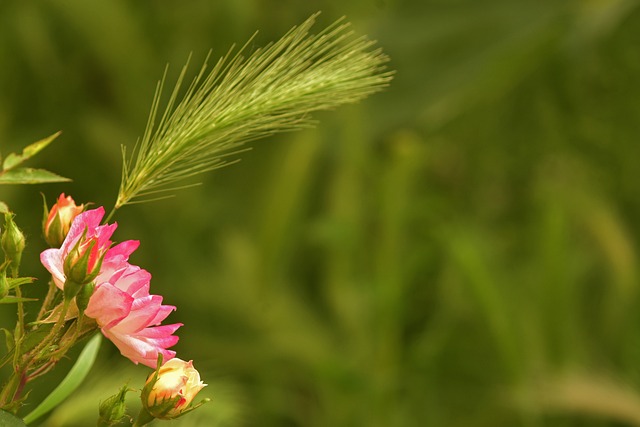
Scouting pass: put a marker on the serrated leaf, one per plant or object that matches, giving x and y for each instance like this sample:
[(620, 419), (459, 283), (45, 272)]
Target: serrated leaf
[(30, 176), (10, 420), (4, 208), (13, 160), (10, 299), (73, 379)]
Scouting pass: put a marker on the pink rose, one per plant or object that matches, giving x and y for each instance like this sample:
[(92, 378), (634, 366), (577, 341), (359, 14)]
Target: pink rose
[(121, 304), (127, 314), (85, 235)]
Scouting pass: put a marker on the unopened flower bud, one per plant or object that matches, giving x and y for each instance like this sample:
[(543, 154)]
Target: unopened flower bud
[(113, 409), (57, 221), (12, 241), (169, 392), (83, 262)]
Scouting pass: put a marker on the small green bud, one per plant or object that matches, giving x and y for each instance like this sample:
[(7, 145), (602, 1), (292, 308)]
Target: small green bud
[(12, 241), (113, 409), (84, 261)]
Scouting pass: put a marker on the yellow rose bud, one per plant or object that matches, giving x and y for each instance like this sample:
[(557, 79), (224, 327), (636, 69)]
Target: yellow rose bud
[(58, 220), (170, 392)]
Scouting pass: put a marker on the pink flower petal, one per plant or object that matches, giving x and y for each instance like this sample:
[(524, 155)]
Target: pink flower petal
[(162, 314), (51, 260), (143, 310), (124, 249), (86, 220), (163, 331), (140, 349), (121, 303), (108, 305)]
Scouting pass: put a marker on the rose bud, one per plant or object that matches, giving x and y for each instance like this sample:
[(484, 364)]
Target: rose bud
[(58, 220), (170, 390)]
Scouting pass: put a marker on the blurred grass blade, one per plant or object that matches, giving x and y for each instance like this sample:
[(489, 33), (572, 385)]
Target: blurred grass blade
[(31, 150), (10, 420), (587, 394), (73, 379), (10, 299)]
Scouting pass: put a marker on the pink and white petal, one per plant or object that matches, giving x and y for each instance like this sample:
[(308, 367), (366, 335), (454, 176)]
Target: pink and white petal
[(86, 220), (122, 250), (135, 282), (164, 331), (163, 342), (162, 314), (138, 350), (108, 305), (103, 233), (143, 310), (139, 289), (133, 349), (52, 261)]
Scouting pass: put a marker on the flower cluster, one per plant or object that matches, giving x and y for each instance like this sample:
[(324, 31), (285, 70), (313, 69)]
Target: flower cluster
[(97, 275), (120, 303)]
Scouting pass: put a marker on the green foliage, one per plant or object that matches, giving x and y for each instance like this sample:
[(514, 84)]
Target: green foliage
[(10, 174), (71, 382), (10, 420)]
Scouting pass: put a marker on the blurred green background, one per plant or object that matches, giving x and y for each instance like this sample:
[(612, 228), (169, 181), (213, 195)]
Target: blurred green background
[(459, 250)]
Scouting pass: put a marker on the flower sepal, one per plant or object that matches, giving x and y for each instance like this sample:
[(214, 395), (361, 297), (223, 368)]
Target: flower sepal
[(83, 263), (83, 297), (113, 409)]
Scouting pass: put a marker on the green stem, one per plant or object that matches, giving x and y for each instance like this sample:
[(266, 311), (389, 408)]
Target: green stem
[(113, 211), (20, 322), (143, 419), (48, 299), (53, 334), (19, 377), (9, 390)]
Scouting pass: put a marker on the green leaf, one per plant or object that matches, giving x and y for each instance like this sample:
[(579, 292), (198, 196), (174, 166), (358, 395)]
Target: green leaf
[(10, 299), (8, 338), (19, 281), (30, 176), (4, 208), (31, 150), (10, 420), (33, 338), (73, 379)]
